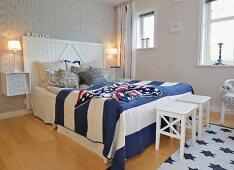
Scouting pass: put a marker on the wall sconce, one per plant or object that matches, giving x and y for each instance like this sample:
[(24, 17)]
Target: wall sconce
[(14, 45)]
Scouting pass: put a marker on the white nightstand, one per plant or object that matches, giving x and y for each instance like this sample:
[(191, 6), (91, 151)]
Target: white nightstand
[(118, 72), (14, 84)]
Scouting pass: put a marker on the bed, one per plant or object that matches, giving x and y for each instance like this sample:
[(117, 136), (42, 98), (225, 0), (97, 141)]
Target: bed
[(41, 100), (113, 130)]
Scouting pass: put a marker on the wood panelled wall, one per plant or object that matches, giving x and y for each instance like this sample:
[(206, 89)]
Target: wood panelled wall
[(79, 20)]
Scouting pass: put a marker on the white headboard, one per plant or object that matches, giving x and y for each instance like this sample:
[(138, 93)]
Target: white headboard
[(48, 50)]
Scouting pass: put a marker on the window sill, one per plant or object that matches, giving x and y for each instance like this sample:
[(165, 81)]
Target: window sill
[(140, 49), (216, 66)]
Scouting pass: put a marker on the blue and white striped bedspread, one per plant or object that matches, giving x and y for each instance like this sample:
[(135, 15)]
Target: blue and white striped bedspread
[(125, 129)]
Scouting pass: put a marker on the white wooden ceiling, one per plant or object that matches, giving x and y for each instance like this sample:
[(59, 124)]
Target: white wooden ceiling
[(114, 2)]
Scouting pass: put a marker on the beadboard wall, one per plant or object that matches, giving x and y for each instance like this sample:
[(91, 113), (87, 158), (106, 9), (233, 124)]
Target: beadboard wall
[(79, 20)]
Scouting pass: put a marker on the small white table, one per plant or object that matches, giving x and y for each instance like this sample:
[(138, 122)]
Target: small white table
[(177, 112), (201, 101)]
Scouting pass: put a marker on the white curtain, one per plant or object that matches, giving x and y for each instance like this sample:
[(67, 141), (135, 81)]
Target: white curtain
[(126, 38)]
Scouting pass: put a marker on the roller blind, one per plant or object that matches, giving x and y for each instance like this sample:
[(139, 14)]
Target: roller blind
[(147, 14), (207, 1)]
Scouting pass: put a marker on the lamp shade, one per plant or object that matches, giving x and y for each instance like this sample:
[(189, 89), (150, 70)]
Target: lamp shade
[(14, 45), (112, 51)]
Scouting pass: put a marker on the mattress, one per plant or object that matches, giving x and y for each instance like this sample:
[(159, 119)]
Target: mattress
[(43, 104), (44, 92)]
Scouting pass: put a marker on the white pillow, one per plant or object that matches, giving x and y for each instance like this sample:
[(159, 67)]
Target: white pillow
[(52, 66), (69, 64)]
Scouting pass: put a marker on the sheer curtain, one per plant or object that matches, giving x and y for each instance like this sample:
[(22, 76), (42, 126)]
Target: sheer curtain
[(126, 38)]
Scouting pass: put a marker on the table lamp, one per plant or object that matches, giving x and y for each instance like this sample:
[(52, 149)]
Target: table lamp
[(14, 45), (113, 52)]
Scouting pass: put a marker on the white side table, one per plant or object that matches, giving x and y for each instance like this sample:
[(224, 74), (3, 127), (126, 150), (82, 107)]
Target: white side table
[(14, 84), (118, 72), (201, 101), (177, 112)]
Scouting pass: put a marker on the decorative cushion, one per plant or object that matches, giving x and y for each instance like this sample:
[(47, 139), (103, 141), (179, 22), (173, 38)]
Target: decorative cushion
[(69, 64), (228, 98), (93, 76), (227, 94), (52, 79), (68, 79), (49, 66), (89, 64), (78, 71)]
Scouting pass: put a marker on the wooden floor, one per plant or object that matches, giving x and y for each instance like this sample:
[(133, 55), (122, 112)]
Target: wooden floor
[(26, 143)]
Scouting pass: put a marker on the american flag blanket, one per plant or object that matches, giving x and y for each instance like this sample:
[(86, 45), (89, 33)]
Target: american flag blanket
[(121, 92), (120, 116)]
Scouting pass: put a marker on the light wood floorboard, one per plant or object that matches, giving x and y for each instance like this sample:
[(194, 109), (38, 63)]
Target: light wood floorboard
[(26, 143)]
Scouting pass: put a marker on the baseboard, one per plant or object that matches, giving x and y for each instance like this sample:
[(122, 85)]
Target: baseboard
[(218, 110), (28, 111), (15, 113)]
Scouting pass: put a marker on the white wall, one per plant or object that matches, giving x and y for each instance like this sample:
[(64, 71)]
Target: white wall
[(175, 58), (78, 20)]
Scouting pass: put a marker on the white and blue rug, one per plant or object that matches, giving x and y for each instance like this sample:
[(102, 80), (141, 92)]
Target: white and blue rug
[(214, 151)]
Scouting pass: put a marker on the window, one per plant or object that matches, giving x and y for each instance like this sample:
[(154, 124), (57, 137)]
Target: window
[(145, 29), (218, 27)]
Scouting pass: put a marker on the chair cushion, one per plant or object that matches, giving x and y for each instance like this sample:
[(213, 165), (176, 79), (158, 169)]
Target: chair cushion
[(228, 98)]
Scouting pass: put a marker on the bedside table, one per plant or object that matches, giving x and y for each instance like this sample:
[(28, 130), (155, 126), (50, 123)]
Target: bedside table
[(117, 71), (14, 84)]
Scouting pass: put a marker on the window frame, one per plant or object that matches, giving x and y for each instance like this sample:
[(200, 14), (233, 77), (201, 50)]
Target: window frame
[(140, 27), (204, 38)]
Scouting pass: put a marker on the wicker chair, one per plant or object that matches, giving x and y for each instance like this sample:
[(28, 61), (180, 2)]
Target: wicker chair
[(227, 97)]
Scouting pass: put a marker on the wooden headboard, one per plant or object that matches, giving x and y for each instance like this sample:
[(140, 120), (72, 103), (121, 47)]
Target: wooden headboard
[(48, 50)]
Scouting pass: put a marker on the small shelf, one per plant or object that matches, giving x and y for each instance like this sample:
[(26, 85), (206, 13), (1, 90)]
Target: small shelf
[(216, 66), (140, 49), (117, 71), (14, 84)]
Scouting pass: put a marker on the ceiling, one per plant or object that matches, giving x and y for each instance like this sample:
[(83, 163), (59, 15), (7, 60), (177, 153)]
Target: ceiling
[(114, 2)]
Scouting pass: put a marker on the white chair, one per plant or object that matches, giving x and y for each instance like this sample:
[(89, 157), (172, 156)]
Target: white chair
[(227, 97)]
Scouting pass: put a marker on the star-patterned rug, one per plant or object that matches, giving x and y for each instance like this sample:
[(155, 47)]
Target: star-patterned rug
[(214, 151)]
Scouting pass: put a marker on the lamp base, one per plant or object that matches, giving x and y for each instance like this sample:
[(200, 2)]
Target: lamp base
[(219, 64), (115, 66), (15, 63), (16, 71)]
